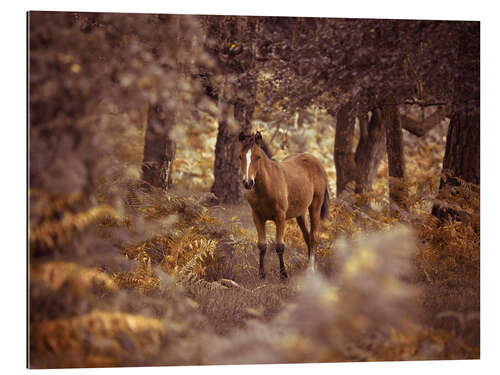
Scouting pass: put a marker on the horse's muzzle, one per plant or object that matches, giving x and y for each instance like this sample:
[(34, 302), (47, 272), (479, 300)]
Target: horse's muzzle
[(249, 184)]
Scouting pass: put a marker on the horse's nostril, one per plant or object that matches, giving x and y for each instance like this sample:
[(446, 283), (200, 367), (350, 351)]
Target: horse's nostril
[(248, 184)]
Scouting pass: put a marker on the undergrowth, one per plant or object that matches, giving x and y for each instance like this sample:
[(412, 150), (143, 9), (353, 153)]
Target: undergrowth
[(138, 276), (427, 275)]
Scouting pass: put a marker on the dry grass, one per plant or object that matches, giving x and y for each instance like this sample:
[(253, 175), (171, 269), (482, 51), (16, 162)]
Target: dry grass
[(169, 280)]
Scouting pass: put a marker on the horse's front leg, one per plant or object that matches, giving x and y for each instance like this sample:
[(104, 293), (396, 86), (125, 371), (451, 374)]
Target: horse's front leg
[(280, 246), (260, 225)]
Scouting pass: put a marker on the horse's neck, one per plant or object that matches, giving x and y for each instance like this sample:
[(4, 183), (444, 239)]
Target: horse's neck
[(263, 180)]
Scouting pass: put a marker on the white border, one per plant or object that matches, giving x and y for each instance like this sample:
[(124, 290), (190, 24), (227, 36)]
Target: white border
[(13, 148)]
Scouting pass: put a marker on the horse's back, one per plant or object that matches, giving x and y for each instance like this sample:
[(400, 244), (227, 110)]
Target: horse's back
[(306, 179), (306, 165)]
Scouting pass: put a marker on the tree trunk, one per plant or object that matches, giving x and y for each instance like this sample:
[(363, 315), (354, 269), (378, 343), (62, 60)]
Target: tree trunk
[(237, 93), (461, 158), (342, 151), (227, 185), (370, 150), (159, 149), (361, 166), (398, 191)]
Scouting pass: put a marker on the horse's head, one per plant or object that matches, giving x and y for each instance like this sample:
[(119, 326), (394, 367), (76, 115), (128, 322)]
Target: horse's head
[(250, 157)]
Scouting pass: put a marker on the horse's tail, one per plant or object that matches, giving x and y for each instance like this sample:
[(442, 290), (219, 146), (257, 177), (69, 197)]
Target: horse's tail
[(326, 204)]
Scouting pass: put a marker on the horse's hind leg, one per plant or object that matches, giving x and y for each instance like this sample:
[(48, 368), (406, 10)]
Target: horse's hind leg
[(301, 220), (280, 246), (260, 225), (314, 213)]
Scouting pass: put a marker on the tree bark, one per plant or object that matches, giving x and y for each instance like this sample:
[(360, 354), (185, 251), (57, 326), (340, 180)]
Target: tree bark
[(398, 191), (362, 165), (227, 185), (420, 128), (342, 150), (370, 150), (462, 155), (463, 147), (239, 95), (159, 149)]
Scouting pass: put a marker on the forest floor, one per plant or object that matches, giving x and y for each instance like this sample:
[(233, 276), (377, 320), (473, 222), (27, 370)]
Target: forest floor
[(175, 278), (450, 303)]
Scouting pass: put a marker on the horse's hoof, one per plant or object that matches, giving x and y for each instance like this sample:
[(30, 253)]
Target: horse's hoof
[(262, 275), (283, 275)]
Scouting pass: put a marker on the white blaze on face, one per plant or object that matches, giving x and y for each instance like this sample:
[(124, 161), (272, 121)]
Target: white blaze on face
[(249, 157)]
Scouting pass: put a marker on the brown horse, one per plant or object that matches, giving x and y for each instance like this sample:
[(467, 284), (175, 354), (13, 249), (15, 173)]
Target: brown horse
[(281, 191)]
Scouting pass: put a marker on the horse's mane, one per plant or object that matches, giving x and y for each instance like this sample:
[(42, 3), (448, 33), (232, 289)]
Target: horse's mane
[(263, 145), (249, 141)]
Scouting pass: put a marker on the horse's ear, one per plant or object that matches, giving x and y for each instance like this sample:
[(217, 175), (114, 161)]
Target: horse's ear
[(258, 136), (241, 137)]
